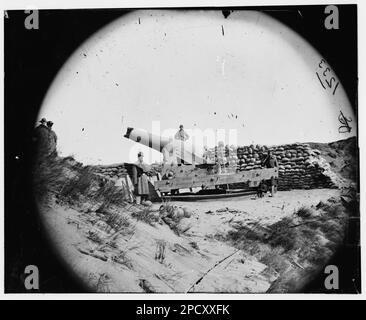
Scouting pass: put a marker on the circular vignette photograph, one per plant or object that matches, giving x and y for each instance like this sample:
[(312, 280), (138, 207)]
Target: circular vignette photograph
[(198, 151)]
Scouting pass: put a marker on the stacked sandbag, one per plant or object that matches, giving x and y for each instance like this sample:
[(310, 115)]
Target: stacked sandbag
[(240, 158), (118, 170), (300, 167), (226, 156), (111, 171), (250, 157), (220, 154)]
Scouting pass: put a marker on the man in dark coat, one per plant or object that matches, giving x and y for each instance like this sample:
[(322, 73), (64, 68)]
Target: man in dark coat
[(52, 139), (40, 140), (139, 177), (271, 162), (41, 128)]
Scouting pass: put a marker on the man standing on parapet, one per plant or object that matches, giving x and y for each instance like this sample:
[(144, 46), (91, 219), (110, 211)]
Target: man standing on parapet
[(40, 139), (271, 162), (41, 128), (181, 134), (52, 139)]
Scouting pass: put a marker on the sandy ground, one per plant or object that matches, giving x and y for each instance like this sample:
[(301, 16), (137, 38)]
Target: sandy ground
[(213, 216), (195, 261)]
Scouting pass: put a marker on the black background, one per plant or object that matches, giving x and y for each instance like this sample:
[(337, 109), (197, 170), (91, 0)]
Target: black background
[(32, 60)]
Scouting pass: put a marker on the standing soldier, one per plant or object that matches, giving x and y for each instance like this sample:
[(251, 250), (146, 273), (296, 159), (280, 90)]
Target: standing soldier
[(271, 162), (181, 134), (40, 140), (52, 139), (42, 124), (140, 180)]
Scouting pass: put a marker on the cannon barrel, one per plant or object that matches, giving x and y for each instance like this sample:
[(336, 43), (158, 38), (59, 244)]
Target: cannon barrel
[(146, 138), (181, 149)]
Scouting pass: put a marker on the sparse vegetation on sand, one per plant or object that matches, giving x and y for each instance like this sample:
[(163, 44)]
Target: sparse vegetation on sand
[(71, 182), (285, 249), (305, 240)]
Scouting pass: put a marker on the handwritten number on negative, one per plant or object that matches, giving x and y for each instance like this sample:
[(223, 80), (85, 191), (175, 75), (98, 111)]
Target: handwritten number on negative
[(327, 77)]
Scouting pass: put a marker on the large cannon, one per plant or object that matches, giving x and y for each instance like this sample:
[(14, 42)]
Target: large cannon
[(174, 151), (184, 168)]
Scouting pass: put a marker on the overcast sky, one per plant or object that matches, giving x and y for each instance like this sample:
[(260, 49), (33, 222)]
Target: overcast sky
[(247, 73)]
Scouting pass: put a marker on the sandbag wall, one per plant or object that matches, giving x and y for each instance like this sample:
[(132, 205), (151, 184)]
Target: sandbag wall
[(300, 167), (112, 171), (119, 170)]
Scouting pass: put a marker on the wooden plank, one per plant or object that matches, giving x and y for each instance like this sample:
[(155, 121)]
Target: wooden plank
[(210, 180)]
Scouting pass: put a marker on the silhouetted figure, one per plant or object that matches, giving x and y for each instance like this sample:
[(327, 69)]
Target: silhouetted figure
[(40, 140), (52, 139)]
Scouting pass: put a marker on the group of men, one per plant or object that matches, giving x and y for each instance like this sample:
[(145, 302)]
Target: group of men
[(45, 139)]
